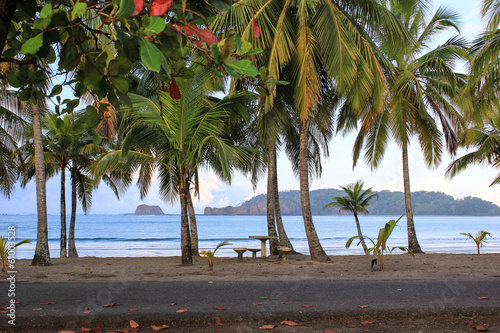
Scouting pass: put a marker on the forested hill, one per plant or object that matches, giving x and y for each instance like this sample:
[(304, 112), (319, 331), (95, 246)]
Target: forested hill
[(388, 203)]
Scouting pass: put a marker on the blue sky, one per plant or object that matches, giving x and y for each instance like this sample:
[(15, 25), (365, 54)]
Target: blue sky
[(337, 169)]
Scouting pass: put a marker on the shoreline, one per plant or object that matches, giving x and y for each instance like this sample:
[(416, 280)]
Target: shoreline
[(297, 267)]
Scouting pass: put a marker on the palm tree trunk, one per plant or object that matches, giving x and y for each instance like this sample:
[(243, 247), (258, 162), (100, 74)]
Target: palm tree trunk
[(42, 253), (271, 224), (71, 239), (315, 248), (283, 237), (412, 235), (63, 251), (360, 234), (194, 227), (187, 255)]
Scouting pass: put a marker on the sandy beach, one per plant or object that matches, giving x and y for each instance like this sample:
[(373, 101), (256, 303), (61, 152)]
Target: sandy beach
[(400, 266)]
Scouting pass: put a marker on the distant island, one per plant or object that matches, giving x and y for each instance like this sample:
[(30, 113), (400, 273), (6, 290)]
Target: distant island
[(388, 203), (148, 210)]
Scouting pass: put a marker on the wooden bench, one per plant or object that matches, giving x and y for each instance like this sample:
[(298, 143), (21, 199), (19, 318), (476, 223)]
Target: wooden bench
[(283, 252), (240, 252), (254, 252)]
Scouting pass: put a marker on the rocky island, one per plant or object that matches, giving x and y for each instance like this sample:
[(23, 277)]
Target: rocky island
[(148, 210)]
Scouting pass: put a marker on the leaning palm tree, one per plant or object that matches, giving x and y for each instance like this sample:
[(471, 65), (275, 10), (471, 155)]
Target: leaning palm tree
[(421, 85), (356, 202), (319, 40), (176, 138)]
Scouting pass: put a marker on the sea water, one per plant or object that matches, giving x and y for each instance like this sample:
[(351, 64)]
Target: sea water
[(141, 235)]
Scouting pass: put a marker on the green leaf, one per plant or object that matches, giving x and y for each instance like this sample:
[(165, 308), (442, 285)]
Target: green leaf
[(156, 25), (78, 9), (46, 11), (151, 56), (221, 5), (243, 67), (246, 46), (238, 41), (231, 71), (56, 90), (97, 139), (42, 23), (14, 81), (120, 83), (215, 52), (127, 8), (254, 51), (32, 45)]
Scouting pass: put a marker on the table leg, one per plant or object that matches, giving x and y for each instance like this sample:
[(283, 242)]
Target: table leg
[(263, 248)]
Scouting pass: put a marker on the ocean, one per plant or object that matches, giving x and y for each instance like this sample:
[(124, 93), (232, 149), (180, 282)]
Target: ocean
[(151, 236)]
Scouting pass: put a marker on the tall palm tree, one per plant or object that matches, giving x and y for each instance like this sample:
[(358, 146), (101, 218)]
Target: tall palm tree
[(356, 202), (319, 40), (421, 85), (176, 138)]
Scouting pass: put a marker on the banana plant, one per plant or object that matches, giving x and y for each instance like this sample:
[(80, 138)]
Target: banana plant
[(380, 250), (5, 250), (210, 255), (480, 238)]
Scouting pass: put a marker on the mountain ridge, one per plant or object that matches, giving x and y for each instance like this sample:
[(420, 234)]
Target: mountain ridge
[(388, 203)]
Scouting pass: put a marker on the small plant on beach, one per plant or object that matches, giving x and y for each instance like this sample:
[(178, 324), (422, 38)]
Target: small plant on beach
[(480, 238), (380, 250), (6, 247), (210, 255)]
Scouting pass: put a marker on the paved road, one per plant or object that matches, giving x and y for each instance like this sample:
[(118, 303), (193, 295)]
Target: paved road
[(82, 303)]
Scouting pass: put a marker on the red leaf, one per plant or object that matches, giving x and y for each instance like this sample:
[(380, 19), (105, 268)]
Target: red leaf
[(85, 329), (307, 306), (159, 7), (483, 298), (173, 304), (218, 307), (289, 323), (139, 4), (158, 328), (362, 306), (181, 311), (47, 303), (267, 327), (256, 29), (133, 324), (175, 93), (256, 303), (86, 312), (480, 328), (328, 331), (218, 322), (132, 309), (111, 304), (97, 330), (204, 35), (3, 308), (367, 322)]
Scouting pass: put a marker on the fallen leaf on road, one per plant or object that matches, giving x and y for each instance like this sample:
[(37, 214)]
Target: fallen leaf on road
[(86, 312), (111, 304), (3, 308), (218, 307), (289, 323), (480, 328), (307, 306), (85, 329), (267, 327), (181, 311), (328, 331), (483, 298), (133, 324), (173, 303), (362, 306), (132, 309), (367, 322), (256, 303), (218, 322), (97, 329), (159, 328), (37, 309), (266, 298), (47, 303)]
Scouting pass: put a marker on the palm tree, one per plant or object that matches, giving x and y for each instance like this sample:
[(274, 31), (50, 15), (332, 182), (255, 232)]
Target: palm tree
[(318, 40), (356, 202), (421, 84), (176, 138)]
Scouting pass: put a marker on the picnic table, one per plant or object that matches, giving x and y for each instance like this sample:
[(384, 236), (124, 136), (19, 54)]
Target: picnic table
[(263, 240)]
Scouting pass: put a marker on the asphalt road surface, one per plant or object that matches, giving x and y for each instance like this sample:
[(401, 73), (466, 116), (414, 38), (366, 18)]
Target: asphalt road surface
[(83, 303)]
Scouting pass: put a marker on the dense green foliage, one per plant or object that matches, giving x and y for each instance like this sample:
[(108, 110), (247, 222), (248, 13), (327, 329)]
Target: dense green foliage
[(393, 203)]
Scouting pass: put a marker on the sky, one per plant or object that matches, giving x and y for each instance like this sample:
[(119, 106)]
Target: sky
[(337, 169)]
